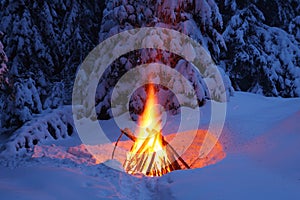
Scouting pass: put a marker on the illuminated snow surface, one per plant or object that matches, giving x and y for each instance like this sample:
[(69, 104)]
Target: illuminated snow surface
[(261, 139)]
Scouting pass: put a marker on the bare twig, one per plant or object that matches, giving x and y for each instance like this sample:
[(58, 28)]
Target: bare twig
[(113, 153)]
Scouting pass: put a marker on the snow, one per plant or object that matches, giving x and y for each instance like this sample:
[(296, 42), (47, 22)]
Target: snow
[(237, 177), (260, 137)]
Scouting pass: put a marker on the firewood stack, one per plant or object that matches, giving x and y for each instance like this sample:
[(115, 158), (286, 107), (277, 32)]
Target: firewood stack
[(151, 162)]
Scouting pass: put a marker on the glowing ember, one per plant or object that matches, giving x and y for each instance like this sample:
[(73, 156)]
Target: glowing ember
[(148, 154)]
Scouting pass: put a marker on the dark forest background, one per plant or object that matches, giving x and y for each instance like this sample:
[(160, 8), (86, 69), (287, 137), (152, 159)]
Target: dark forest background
[(255, 42)]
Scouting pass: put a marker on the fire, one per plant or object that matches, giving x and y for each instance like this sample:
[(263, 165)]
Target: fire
[(148, 155), (149, 120)]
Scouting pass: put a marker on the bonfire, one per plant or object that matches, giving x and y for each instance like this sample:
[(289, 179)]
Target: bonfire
[(151, 154)]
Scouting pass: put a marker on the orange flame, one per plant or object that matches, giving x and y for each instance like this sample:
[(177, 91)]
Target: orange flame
[(148, 154), (150, 120)]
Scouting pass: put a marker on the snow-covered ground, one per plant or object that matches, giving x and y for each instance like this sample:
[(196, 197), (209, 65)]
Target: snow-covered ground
[(261, 138)]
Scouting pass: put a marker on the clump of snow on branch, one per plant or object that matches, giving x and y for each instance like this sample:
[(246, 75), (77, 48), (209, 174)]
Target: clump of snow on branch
[(50, 126)]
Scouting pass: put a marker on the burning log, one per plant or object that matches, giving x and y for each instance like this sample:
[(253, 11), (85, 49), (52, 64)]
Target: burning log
[(147, 159)]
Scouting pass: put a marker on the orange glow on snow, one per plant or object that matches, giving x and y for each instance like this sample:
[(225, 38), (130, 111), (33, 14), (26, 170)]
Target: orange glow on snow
[(102, 152), (148, 147)]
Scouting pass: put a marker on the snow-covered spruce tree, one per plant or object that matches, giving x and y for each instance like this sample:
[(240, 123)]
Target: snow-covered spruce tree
[(4, 82), (46, 42), (200, 20), (49, 39), (19, 98), (24, 42), (72, 29), (5, 87), (260, 58)]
